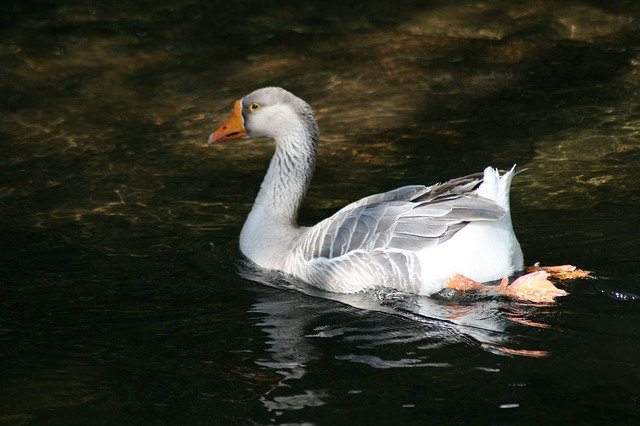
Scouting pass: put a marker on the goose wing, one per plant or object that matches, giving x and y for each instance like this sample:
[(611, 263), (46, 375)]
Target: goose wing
[(408, 218)]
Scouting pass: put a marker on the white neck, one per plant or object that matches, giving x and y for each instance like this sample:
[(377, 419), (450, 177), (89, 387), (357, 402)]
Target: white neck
[(272, 223)]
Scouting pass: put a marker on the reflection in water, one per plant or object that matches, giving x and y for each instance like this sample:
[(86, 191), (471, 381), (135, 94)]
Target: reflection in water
[(289, 352), (296, 316)]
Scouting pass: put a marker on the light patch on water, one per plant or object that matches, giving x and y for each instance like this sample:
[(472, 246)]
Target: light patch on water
[(377, 362), (508, 406), (310, 398)]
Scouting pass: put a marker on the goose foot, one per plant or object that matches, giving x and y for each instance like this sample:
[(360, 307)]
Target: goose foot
[(561, 272), (461, 283), (534, 287)]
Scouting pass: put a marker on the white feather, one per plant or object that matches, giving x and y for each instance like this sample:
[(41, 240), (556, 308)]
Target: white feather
[(412, 239)]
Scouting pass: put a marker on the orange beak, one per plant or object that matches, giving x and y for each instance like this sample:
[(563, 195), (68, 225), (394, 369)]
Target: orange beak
[(233, 128)]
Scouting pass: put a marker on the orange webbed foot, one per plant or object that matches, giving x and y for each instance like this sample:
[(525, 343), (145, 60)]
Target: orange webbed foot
[(561, 272), (462, 283), (533, 287)]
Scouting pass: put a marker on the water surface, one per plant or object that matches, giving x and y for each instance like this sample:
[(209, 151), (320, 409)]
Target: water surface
[(124, 297)]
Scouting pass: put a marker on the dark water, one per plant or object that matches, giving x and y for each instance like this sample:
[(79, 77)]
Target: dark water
[(123, 297)]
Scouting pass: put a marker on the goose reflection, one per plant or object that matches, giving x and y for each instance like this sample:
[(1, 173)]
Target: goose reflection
[(294, 316)]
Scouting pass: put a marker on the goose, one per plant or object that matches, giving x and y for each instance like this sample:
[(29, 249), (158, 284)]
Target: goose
[(416, 239)]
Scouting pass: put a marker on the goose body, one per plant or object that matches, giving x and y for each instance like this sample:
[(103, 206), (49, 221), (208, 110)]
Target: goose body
[(414, 238)]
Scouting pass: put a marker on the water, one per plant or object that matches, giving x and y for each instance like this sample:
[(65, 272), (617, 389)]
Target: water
[(125, 300)]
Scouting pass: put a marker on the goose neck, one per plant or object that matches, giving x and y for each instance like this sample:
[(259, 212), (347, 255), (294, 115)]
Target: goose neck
[(287, 180)]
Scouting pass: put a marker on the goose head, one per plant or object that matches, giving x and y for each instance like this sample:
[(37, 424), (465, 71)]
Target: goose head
[(270, 112)]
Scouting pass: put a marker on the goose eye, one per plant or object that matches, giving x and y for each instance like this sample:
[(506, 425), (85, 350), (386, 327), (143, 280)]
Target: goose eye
[(254, 106)]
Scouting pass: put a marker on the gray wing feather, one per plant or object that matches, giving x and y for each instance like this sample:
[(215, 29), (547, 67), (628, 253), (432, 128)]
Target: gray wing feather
[(408, 218), (405, 193), (416, 227)]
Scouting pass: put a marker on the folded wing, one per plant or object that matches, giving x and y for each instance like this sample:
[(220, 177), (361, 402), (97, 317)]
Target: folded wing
[(409, 218)]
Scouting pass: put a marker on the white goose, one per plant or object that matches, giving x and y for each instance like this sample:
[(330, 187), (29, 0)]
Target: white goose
[(418, 239)]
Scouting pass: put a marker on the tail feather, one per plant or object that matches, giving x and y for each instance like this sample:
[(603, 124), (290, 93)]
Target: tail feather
[(497, 187)]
